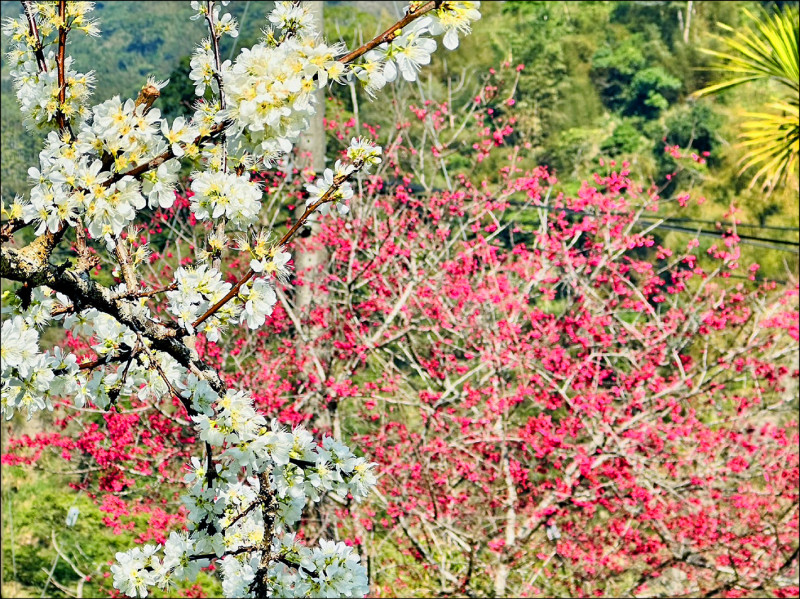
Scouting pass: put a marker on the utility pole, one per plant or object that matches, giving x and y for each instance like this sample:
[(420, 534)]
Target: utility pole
[(689, 10), (311, 156)]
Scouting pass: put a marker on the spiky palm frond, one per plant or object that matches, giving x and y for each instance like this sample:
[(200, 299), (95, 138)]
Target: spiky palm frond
[(765, 50)]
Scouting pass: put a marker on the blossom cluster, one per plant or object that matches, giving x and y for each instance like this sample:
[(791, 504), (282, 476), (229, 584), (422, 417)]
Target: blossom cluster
[(37, 89), (332, 186), (220, 194), (412, 47), (229, 510), (270, 88), (82, 179), (32, 378)]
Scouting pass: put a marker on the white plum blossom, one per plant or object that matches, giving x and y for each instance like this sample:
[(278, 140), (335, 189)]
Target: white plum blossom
[(202, 73), (178, 554), (260, 298), (267, 258), (197, 290), (131, 573), (237, 574), (337, 194), (410, 51), (178, 135), (159, 185), (20, 345), (220, 194), (101, 170), (453, 18), (293, 17), (225, 24), (370, 71), (364, 152)]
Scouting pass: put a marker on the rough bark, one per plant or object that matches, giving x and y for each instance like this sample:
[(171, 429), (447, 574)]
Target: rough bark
[(17, 265)]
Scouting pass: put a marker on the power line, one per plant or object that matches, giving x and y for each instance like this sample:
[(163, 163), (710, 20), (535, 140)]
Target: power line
[(719, 233), (757, 279), (731, 224), (766, 242), (745, 239), (418, 189)]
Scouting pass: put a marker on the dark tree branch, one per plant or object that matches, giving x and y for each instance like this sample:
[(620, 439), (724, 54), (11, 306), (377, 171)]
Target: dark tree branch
[(389, 34), (17, 266), (26, 6), (61, 119), (326, 197)]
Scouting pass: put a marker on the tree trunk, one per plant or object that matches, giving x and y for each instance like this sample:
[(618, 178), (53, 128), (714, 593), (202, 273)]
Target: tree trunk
[(311, 156), (503, 569), (309, 260), (689, 9)]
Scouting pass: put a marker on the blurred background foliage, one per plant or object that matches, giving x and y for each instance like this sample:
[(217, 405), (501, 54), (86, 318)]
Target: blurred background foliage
[(602, 81)]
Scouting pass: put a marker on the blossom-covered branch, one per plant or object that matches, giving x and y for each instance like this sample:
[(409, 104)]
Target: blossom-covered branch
[(105, 166)]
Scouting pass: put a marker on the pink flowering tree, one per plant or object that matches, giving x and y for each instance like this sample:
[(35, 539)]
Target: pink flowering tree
[(131, 377), (565, 409)]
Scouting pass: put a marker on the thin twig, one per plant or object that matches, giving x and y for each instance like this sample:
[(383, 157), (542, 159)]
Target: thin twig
[(61, 119), (389, 34), (35, 34), (326, 197)]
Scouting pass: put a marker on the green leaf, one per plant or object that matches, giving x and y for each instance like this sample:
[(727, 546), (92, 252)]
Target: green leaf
[(765, 50)]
